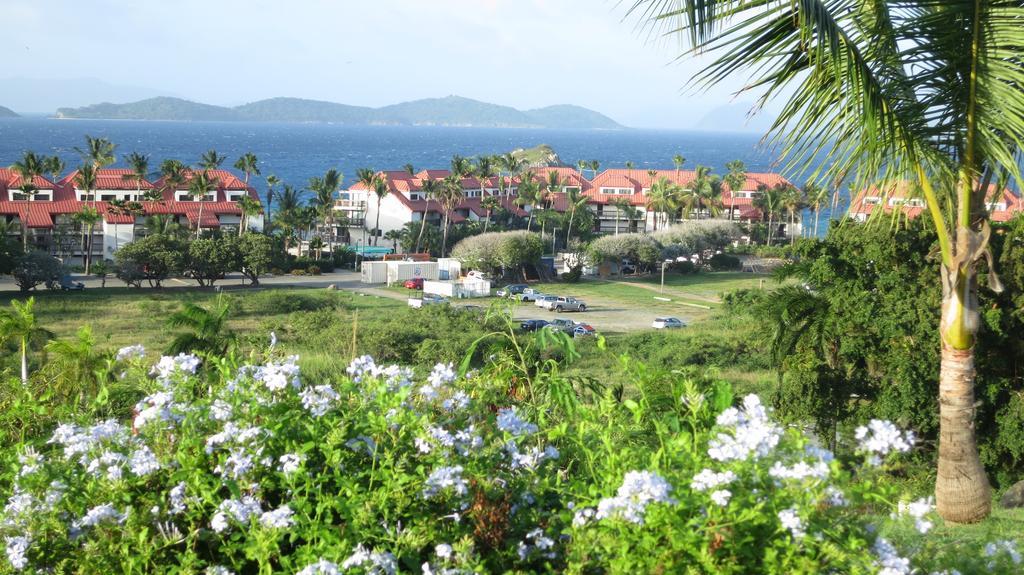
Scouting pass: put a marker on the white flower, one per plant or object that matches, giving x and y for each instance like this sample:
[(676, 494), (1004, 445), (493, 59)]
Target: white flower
[(130, 352), (239, 510), (218, 570), (373, 563), (279, 518), (638, 490), (321, 567), (889, 560), (30, 461), (318, 400), (917, 509), (510, 422), (879, 438), (445, 479), (791, 520), (168, 366), (290, 462), (441, 375), (800, 470), (273, 340), (176, 498), (444, 551), (159, 406), (457, 402), (531, 458), (361, 367), (835, 497), (583, 516), (221, 410), (721, 497), (142, 462), (708, 479), (277, 376), (753, 434), (100, 514), (541, 543), (16, 548), (1005, 545)]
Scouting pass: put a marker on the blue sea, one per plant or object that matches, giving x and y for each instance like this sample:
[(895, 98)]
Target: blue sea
[(297, 152)]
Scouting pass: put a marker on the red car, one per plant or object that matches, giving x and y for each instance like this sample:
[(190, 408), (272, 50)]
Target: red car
[(414, 283)]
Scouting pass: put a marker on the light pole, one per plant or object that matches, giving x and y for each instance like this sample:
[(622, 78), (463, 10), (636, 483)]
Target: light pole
[(663, 265), (356, 266)]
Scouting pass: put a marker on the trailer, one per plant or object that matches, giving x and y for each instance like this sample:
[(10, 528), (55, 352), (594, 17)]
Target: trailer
[(399, 272), (464, 288), (373, 272), (449, 268)]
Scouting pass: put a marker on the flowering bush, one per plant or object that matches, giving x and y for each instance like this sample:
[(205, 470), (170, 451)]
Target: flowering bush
[(243, 469)]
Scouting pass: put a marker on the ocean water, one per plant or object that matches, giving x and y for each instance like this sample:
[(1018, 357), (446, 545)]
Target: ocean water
[(297, 152)]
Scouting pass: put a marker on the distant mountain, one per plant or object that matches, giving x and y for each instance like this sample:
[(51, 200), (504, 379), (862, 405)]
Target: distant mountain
[(7, 113), (44, 95), (448, 111)]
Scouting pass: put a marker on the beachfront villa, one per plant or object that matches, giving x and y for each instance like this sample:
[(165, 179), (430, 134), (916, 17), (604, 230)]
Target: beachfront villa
[(619, 198), (1002, 204), (46, 217)]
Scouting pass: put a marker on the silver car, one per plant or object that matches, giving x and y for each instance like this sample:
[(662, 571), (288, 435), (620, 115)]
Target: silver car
[(560, 304), (667, 323), (541, 300)]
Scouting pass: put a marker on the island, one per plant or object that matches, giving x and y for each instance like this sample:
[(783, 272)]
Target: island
[(7, 113)]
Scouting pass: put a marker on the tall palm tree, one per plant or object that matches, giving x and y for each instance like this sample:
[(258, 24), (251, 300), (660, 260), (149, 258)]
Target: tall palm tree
[(249, 208), (623, 207), (173, 173), (816, 196), (526, 196), (550, 186), (248, 164), (430, 188), (207, 331), (581, 165), (449, 194), (409, 169), (793, 203), (575, 200), (483, 170), (54, 166), (98, 151), (88, 216), (272, 181), (367, 177), (139, 166), (325, 189), (595, 166), (19, 323), (211, 160), (489, 203), (923, 90), (678, 160), (29, 167), (200, 186), (461, 167), (660, 198), (769, 202), (381, 189), (735, 178), (288, 207), (513, 165)]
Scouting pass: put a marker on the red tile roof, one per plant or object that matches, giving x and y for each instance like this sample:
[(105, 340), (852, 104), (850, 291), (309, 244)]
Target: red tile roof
[(905, 190), (110, 179), (10, 180)]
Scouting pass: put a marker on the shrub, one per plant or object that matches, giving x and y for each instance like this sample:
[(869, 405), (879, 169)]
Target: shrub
[(694, 236), (724, 263), (685, 267), (152, 258), (273, 473), (313, 270), (298, 272), (305, 263), (501, 253), (34, 268), (640, 248), (277, 271)]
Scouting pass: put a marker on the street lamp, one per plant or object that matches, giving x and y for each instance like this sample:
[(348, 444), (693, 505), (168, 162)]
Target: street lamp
[(356, 265), (664, 264)]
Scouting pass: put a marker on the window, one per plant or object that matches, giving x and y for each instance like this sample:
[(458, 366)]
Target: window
[(871, 201), (84, 197), (107, 197), (617, 191), (472, 193), (571, 189), (997, 207), (234, 196)]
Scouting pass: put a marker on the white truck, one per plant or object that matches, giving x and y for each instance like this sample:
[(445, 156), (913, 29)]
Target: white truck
[(560, 304)]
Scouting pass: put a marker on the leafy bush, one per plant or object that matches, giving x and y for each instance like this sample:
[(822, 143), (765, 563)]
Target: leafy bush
[(640, 248), (34, 268), (253, 469), (152, 258), (724, 263), (313, 270), (298, 272), (694, 236), (500, 253), (305, 263)]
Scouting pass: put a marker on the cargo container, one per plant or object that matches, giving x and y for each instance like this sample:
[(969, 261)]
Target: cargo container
[(374, 272), (465, 288), (448, 268), (398, 272)]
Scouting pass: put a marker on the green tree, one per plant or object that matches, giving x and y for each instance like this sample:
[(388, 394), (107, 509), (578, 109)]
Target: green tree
[(735, 178), (575, 200), (449, 195), (248, 164), (770, 202), (430, 188), (206, 332), (249, 208), (272, 181), (139, 166), (926, 91), (54, 166), (662, 198), (210, 259), (368, 178), (34, 268), (152, 258), (409, 169), (88, 216), (101, 270), (256, 254), (19, 324), (678, 160), (74, 367), (211, 160), (817, 196), (489, 203), (200, 186), (100, 152)]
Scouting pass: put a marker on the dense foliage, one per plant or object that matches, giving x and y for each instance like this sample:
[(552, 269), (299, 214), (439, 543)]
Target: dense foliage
[(861, 339), (255, 468), (502, 253)]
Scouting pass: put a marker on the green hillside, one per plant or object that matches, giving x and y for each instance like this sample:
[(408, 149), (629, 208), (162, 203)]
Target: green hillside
[(448, 111)]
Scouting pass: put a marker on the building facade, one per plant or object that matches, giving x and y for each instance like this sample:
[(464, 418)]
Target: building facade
[(46, 218), (1002, 204)]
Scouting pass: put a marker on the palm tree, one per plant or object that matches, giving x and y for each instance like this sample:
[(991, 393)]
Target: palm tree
[(483, 170), (527, 196), (449, 194), (173, 173), (705, 190), (430, 187), (927, 91), (88, 216), (248, 165), (816, 196), (793, 202), (489, 203), (678, 160), (75, 366), (272, 181), (461, 167), (211, 160), (54, 166), (324, 201), (199, 187), (736, 178), (29, 167), (409, 169), (623, 207), (368, 178), (381, 189), (393, 236), (288, 207), (574, 201), (98, 151), (249, 207), (139, 166), (582, 165), (595, 166), (207, 333), (512, 164), (769, 202), (660, 198), (548, 188), (19, 323)]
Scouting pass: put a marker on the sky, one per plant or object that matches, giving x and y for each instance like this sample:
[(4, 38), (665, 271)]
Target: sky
[(521, 53)]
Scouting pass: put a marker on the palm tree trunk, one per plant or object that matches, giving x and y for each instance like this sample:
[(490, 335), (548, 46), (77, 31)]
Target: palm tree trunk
[(962, 492), (24, 361), (88, 255), (423, 226), (199, 223), (816, 211), (444, 242), (487, 221), (568, 231)]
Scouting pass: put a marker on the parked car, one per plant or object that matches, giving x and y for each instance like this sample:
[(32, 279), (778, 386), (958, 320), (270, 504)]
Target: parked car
[(529, 294), (476, 274), (560, 304), (667, 323), (65, 284), (511, 290), (414, 283), (532, 324), (583, 330), (563, 325), (428, 299), (542, 299)]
